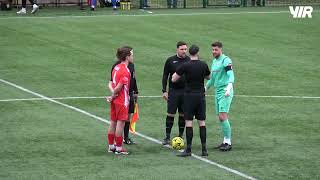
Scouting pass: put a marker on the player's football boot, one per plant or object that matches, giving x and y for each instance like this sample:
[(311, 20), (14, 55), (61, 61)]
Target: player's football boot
[(35, 8), (226, 147), (22, 11), (219, 146), (111, 150), (122, 151)]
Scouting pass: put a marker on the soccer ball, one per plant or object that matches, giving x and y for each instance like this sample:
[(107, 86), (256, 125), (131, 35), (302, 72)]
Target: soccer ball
[(177, 143)]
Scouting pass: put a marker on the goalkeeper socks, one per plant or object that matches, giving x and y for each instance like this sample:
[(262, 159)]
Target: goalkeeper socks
[(119, 140), (182, 124), (226, 130), (189, 135), (110, 139), (169, 124), (203, 136), (126, 130), (226, 141)]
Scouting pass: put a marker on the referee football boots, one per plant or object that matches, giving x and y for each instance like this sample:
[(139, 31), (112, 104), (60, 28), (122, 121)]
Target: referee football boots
[(166, 141), (204, 152), (185, 153), (128, 141)]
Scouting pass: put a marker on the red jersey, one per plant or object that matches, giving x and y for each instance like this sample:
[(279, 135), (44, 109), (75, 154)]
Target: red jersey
[(121, 74)]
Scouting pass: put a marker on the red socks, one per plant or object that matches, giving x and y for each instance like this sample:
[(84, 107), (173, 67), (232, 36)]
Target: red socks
[(110, 139), (119, 140)]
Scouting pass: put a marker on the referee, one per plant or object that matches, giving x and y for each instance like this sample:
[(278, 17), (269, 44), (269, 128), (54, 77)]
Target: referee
[(195, 72), (174, 97)]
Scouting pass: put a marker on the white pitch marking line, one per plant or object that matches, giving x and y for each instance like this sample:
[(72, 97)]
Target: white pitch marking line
[(56, 98), (150, 14), (139, 134), (293, 97), (102, 97)]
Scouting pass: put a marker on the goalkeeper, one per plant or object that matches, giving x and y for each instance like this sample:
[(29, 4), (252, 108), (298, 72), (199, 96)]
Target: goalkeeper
[(222, 78)]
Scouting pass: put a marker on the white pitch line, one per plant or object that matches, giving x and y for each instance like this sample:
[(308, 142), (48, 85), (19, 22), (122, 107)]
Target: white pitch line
[(139, 134), (102, 97), (149, 14), (55, 98), (293, 97), (254, 96)]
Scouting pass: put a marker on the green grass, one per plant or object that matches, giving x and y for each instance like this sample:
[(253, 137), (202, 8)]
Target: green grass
[(273, 54)]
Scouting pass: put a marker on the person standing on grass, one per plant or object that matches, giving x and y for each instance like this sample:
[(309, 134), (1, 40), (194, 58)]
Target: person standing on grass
[(23, 10), (133, 92), (195, 72), (93, 4), (175, 96), (172, 4), (119, 100), (222, 77), (114, 4), (231, 3)]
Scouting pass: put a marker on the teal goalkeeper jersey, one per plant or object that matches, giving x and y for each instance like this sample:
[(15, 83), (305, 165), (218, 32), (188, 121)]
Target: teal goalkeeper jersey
[(221, 72)]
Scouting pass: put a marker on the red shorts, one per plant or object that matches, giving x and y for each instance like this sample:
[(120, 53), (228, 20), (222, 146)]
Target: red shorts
[(118, 112)]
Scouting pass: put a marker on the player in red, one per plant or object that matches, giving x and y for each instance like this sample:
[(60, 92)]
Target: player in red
[(119, 100)]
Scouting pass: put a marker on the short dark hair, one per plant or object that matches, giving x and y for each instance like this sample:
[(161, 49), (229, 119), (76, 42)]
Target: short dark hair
[(123, 53), (181, 43), (193, 50), (129, 47), (217, 44)]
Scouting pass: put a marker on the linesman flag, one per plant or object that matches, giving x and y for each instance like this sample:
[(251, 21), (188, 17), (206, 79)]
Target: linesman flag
[(134, 119)]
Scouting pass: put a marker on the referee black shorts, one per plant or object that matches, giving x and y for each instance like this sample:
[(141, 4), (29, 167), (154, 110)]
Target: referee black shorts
[(194, 106), (175, 101)]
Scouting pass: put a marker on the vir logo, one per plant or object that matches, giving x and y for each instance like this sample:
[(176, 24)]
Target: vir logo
[(301, 11)]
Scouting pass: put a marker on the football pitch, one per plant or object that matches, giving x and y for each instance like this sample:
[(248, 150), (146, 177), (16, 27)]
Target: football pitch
[(54, 69)]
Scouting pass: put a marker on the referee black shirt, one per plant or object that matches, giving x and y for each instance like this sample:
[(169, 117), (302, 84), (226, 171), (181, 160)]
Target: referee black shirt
[(169, 69), (195, 72)]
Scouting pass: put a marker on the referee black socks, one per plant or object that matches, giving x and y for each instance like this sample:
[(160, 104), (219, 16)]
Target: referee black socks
[(126, 130), (182, 124), (189, 136), (169, 124), (203, 136)]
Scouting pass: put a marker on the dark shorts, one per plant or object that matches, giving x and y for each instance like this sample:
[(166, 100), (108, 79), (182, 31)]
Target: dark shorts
[(175, 101), (131, 104), (194, 106)]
